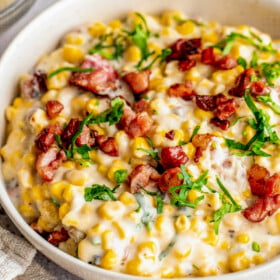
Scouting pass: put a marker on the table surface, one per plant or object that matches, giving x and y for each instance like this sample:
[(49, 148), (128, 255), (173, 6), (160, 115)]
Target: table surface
[(58, 273)]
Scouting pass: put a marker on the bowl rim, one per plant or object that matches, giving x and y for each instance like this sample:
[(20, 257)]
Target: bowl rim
[(45, 247)]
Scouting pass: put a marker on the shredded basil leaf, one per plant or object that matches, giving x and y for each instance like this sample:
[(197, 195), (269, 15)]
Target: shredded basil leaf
[(100, 192), (72, 69)]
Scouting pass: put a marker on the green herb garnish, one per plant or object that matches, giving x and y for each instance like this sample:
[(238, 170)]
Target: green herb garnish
[(100, 192), (229, 205), (159, 200), (241, 61), (153, 154), (254, 61), (195, 131), (165, 252), (271, 71), (72, 69), (195, 22), (55, 201), (256, 247), (120, 176), (267, 100)]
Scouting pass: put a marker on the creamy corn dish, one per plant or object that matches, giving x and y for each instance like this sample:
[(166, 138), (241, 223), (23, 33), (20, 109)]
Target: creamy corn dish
[(150, 146)]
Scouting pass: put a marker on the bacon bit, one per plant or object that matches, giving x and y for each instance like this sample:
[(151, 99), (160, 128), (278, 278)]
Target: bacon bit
[(185, 65), (108, 145), (182, 90), (225, 63), (47, 137), (273, 185), (222, 124), (35, 86), (57, 236), (101, 80), (127, 117), (47, 162), (70, 131), (140, 125), (142, 176), (200, 142), (208, 56), (263, 207), (138, 81), (170, 179), (53, 107), (87, 137), (258, 88), (206, 102), (243, 81), (170, 134), (141, 106), (173, 157), (225, 108), (257, 178)]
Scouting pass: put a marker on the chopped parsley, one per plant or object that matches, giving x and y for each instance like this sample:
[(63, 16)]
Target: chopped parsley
[(195, 22), (195, 131), (256, 247), (158, 198), (271, 71), (254, 61), (267, 100), (55, 201), (165, 252), (242, 61), (152, 153), (120, 176), (229, 205), (264, 133), (100, 192), (180, 193), (72, 69)]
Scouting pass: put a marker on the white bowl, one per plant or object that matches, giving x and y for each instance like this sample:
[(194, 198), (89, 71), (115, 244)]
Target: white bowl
[(43, 34)]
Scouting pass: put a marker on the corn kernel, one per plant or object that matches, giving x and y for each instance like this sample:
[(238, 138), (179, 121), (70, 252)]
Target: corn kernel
[(165, 31), (148, 249), (238, 261), (72, 54), (277, 218), (193, 195), (167, 272), (202, 115), (127, 198), (57, 188), (74, 39), (210, 38), (111, 210), (97, 29), (258, 259), (248, 133), (193, 75), (27, 211), (168, 17), (76, 177), (63, 210), (116, 165), (119, 229), (132, 54), (243, 238), (102, 169), (67, 193), (139, 143), (225, 245), (211, 238), (134, 267), (109, 260), (69, 164), (107, 239), (226, 77), (186, 28), (183, 252), (159, 222), (182, 223), (115, 24)]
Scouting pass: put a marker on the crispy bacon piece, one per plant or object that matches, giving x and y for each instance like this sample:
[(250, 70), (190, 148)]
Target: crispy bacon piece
[(206, 102), (87, 137), (142, 176), (140, 125), (263, 207), (182, 90), (258, 88), (47, 137), (257, 178), (53, 107), (101, 80), (34, 86), (225, 63), (138, 81), (107, 145), (170, 179), (186, 64), (222, 124), (47, 162), (273, 185), (208, 56), (141, 106), (70, 131), (243, 81), (57, 236), (225, 108), (170, 134), (200, 142), (173, 157), (127, 117)]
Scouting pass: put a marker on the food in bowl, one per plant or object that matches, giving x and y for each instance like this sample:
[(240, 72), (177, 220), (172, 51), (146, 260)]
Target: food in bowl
[(149, 146)]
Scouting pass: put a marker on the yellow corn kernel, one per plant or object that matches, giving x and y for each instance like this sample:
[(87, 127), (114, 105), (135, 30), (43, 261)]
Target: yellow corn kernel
[(168, 17), (67, 193), (226, 77), (63, 210), (277, 218), (57, 188), (11, 112), (246, 194), (127, 198), (109, 260), (193, 75), (189, 149), (210, 38), (49, 216), (133, 216), (116, 165), (182, 223), (148, 250), (196, 225), (74, 39), (120, 137), (69, 164), (211, 238), (132, 54), (27, 211), (111, 210), (238, 261), (76, 177), (193, 195), (134, 267), (97, 127), (115, 24), (258, 259), (91, 106), (72, 54), (159, 222), (183, 252), (78, 104), (167, 209), (224, 245), (139, 143), (120, 229), (18, 102), (106, 238), (178, 135), (25, 177), (165, 31), (15, 157), (102, 169), (186, 28), (243, 238), (29, 159), (56, 82), (87, 209), (97, 229), (153, 47), (248, 133), (155, 83), (167, 272), (202, 115), (97, 29), (37, 193)]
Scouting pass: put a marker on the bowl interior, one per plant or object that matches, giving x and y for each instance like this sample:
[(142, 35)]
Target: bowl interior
[(33, 42)]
